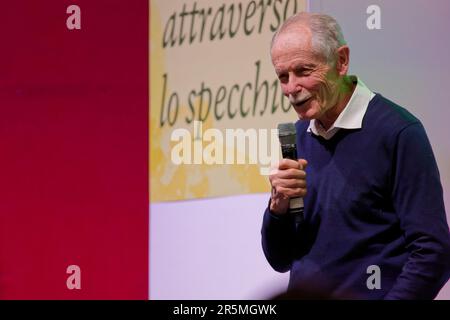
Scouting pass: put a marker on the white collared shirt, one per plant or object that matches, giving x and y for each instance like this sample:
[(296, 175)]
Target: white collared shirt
[(351, 116)]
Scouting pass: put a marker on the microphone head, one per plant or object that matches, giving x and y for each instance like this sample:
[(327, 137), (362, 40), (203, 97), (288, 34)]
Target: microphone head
[(287, 133)]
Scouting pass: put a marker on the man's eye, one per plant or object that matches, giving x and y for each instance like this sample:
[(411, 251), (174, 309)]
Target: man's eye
[(283, 78), (303, 71)]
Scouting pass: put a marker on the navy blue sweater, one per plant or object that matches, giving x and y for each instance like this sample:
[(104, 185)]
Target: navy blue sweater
[(374, 198)]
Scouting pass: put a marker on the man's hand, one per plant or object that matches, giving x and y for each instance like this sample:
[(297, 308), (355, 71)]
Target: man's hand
[(288, 180)]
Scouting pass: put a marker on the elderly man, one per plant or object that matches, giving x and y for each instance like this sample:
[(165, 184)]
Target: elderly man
[(374, 222)]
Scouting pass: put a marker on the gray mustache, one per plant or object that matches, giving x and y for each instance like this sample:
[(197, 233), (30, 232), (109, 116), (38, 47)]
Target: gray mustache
[(299, 100)]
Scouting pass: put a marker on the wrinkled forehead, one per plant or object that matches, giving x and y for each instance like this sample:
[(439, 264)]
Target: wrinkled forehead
[(295, 38), (293, 42)]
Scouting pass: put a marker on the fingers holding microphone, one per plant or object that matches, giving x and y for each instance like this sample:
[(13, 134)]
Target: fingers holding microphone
[(288, 180)]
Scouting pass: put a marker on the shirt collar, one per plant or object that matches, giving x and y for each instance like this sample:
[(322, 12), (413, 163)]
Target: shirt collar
[(351, 116)]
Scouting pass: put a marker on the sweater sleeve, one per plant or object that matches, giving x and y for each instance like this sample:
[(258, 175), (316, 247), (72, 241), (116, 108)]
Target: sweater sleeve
[(278, 233), (418, 200)]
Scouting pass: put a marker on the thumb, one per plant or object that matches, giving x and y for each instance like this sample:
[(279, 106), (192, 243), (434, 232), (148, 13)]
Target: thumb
[(303, 163)]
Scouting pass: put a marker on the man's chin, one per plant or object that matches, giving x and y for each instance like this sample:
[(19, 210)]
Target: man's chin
[(305, 112), (304, 116)]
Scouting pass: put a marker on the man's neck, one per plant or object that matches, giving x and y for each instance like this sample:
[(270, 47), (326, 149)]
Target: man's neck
[(345, 93)]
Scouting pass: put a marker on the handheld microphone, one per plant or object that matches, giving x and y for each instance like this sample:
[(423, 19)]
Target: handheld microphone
[(287, 135)]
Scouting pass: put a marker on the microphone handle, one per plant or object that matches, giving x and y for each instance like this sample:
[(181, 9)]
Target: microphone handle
[(296, 205)]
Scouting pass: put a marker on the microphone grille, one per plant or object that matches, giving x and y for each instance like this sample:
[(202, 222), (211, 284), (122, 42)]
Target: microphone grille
[(287, 133), (285, 129)]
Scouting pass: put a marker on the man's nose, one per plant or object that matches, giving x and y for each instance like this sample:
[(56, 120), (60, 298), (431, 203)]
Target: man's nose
[(293, 87)]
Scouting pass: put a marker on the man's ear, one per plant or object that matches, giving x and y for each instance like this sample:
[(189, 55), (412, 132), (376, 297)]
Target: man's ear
[(343, 57)]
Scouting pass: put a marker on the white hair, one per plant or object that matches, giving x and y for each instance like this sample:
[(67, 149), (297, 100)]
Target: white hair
[(327, 35)]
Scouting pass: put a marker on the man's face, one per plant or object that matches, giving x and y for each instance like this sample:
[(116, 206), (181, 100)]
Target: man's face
[(305, 78)]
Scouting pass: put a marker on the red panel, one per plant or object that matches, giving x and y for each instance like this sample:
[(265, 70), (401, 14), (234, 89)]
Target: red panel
[(74, 149)]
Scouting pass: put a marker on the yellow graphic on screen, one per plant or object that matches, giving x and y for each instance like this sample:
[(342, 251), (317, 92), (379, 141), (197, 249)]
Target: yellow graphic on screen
[(211, 77)]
